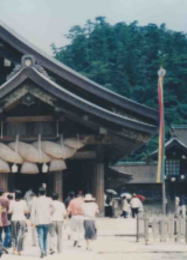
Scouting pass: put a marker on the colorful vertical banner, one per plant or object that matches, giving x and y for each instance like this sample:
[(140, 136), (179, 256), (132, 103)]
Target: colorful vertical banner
[(161, 166)]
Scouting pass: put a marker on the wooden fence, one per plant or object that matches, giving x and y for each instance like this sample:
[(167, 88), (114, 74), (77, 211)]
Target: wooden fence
[(161, 228)]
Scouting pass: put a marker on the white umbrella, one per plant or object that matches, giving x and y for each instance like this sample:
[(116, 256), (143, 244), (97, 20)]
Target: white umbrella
[(126, 194), (111, 191)]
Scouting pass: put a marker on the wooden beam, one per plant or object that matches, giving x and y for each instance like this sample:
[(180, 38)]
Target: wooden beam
[(84, 155), (29, 139), (22, 119)]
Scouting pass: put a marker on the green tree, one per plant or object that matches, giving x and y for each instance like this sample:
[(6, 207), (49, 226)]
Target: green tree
[(126, 58)]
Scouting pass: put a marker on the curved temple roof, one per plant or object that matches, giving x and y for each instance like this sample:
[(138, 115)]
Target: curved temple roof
[(59, 92), (172, 142), (74, 78)]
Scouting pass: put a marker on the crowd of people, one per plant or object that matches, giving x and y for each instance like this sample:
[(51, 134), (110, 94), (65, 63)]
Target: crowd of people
[(130, 205), (44, 216)]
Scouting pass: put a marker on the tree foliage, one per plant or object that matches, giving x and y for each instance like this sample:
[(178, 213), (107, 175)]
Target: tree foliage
[(126, 57)]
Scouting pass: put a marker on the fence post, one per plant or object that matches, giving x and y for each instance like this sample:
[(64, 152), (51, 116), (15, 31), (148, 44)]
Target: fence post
[(154, 228), (167, 228), (177, 228), (171, 227), (146, 229), (137, 228), (162, 229), (186, 230), (183, 228)]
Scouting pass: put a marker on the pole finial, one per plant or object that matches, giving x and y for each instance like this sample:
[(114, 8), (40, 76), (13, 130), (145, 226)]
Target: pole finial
[(161, 72)]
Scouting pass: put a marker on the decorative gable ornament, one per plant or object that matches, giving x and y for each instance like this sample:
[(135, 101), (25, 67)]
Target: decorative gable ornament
[(27, 60)]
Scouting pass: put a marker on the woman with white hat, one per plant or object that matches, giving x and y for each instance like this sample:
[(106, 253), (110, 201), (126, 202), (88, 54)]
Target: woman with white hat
[(90, 210)]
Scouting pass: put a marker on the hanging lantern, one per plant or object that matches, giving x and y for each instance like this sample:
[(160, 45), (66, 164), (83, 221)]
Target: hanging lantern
[(14, 168), (45, 168)]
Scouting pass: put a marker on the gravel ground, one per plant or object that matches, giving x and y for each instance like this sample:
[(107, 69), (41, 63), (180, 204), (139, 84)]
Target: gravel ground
[(116, 241)]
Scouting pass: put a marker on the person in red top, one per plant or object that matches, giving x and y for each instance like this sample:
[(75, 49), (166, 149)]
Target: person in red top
[(76, 212), (4, 222)]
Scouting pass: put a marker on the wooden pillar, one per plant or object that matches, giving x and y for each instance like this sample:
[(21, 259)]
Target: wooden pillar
[(12, 181), (58, 183), (99, 186), (4, 181)]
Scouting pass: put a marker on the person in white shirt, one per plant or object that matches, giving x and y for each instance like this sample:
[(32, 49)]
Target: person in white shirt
[(18, 208), (59, 212), (125, 208), (30, 201), (135, 205), (90, 210), (41, 213)]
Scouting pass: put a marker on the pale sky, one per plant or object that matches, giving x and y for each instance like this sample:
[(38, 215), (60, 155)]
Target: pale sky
[(43, 22)]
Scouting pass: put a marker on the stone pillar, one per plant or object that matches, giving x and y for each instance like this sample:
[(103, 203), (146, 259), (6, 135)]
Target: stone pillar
[(58, 183), (4, 181), (99, 186)]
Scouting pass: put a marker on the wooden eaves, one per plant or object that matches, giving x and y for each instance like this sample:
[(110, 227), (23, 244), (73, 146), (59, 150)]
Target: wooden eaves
[(64, 95), (69, 76)]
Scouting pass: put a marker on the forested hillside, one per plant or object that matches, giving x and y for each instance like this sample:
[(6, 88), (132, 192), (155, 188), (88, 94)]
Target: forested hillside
[(126, 57)]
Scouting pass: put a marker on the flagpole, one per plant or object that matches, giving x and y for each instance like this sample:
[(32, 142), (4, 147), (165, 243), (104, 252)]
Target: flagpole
[(161, 147)]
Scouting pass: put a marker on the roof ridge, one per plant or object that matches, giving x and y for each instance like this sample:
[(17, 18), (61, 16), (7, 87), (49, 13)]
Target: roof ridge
[(167, 143), (76, 74), (90, 103)]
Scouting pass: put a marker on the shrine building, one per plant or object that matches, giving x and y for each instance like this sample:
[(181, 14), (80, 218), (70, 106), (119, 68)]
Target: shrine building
[(58, 127)]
